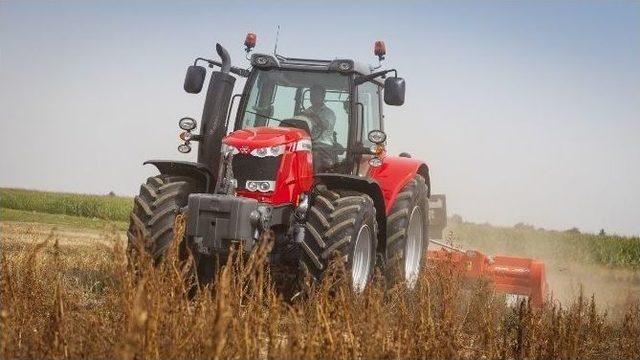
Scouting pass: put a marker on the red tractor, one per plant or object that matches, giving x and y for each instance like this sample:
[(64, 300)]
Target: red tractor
[(304, 157)]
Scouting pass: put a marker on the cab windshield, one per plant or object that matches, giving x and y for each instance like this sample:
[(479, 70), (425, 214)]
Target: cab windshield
[(317, 102)]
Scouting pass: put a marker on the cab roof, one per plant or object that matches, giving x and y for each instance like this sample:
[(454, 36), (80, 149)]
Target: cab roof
[(340, 65)]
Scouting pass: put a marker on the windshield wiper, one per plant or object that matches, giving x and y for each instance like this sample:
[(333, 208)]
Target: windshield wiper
[(265, 116)]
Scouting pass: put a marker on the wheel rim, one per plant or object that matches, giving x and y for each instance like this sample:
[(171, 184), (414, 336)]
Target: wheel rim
[(413, 249), (361, 259)]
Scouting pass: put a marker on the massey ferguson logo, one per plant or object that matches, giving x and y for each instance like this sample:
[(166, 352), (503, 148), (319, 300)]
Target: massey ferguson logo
[(244, 149)]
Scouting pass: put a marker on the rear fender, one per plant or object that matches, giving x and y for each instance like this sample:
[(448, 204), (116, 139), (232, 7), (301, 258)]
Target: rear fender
[(394, 173), (366, 186), (193, 170)]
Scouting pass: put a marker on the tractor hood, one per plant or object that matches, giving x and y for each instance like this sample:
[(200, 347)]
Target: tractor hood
[(260, 137)]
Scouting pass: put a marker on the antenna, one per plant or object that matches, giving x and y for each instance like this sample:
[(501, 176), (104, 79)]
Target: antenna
[(275, 48)]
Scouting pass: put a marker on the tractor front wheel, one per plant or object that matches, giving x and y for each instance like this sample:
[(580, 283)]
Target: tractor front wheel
[(341, 223), (155, 209)]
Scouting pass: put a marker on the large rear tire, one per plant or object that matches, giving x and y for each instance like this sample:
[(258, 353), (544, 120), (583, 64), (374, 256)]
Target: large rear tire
[(152, 220), (407, 232), (342, 223)]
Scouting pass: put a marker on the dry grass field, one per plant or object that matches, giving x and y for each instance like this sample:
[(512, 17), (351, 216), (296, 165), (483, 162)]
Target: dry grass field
[(70, 293)]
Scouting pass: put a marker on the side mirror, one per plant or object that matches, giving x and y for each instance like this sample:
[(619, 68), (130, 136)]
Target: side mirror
[(195, 79), (394, 91)]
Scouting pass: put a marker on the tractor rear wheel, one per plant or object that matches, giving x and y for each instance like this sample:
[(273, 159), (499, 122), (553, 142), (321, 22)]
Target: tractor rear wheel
[(161, 199), (407, 229), (341, 223)]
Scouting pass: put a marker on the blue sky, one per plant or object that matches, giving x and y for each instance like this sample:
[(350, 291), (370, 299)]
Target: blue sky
[(525, 111)]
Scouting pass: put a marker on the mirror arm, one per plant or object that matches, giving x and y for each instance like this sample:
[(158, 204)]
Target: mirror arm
[(196, 137), (238, 71), (363, 150), (363, 79)]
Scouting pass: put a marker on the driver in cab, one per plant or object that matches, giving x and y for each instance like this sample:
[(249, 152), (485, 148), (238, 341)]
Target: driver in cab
[(323, 120)]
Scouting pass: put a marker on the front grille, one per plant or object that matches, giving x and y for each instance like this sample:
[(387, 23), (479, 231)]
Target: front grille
[(248, 167)]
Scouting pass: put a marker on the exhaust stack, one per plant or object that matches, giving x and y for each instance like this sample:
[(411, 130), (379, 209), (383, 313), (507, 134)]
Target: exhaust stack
[(214, 113)]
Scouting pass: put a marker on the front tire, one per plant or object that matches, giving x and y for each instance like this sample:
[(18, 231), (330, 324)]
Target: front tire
[(342, 223), (407, 230), (152, 220)]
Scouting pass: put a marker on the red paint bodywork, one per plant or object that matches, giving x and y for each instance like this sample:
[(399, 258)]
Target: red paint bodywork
[(295, 175), (394, 173), (509, 275), (258, 137)]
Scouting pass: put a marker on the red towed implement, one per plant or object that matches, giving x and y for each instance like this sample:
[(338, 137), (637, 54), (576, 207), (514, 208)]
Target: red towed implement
[(517, 278)]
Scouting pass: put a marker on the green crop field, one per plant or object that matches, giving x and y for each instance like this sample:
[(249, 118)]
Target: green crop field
[(94, 211), (114, 208)]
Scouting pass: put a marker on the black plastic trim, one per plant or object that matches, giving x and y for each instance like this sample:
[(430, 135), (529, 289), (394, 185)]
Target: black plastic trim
[(184, 168)]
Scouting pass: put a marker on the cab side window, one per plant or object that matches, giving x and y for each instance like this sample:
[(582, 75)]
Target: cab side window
[(369, 97)]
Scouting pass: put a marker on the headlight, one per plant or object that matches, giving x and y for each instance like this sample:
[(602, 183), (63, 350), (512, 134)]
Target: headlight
[(225, 149), (252, 185), (377, 136), (262, 186), (375, 162), (344, 66), (262, 60), (341, 65), (187, 124), (184, 148), (268, 151)]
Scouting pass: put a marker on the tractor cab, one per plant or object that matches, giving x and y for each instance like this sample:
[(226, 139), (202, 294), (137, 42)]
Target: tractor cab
[(336, 102)]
